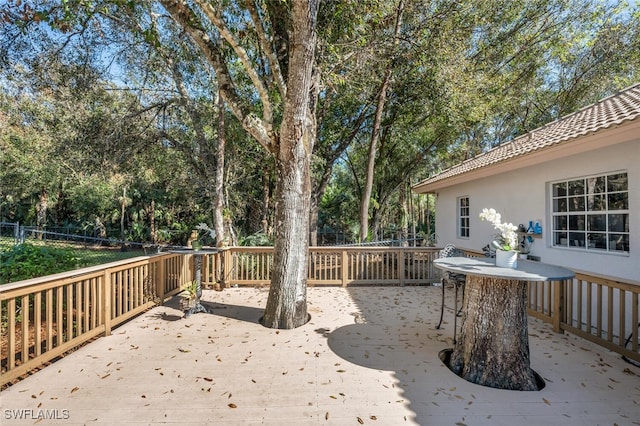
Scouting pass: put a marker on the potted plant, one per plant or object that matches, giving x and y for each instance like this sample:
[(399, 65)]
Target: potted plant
[(506, 242), (206, 232), (188, 296)]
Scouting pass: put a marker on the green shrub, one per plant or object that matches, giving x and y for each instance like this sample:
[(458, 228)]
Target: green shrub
[(25, 261)]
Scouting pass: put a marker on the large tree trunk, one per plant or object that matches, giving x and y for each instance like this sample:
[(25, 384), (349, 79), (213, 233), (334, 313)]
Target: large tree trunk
[(287, 302), (493, 347)]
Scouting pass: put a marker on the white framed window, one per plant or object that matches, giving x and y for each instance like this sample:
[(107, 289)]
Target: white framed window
[(591, 213), (463, 217)]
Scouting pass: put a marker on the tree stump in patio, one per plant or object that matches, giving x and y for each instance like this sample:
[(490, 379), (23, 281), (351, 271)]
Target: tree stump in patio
[(493, 347)]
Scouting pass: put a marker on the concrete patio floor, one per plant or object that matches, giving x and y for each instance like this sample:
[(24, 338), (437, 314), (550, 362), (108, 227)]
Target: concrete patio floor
[(369, 355)]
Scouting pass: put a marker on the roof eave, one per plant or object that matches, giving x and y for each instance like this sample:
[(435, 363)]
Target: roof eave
[(602, 138)]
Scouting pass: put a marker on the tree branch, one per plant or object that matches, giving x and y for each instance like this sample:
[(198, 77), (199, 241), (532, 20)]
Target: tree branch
[(233, 41), (190, 22), (267, 48)]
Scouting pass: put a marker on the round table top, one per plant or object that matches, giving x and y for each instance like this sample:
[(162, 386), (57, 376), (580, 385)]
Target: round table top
[(192, 251), (527, 270)]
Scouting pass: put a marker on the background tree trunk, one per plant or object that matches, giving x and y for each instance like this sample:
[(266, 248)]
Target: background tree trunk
[(493, 347), (375, 134), (218, 212), (41, 211)]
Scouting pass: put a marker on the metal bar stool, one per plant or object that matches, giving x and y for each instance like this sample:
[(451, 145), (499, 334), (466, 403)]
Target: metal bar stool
[(457, 280)]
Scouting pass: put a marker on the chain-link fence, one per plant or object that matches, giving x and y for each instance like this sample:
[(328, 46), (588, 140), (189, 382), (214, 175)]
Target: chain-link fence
[(14, 233), (28, 252)]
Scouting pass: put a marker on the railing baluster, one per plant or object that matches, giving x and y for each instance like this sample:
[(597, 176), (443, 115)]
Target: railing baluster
[(610, 314), (24, 350), (37, 322), (11, 326), (621, 316)]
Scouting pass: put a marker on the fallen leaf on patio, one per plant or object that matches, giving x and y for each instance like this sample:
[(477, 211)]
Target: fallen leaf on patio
[(341, 371), (75, 389), (333, 397), (105, 376), (341, 394), (184, 350), (143, 396), (208, 379), (546, 401), (33, 396), (232, 405), (360, 421), (373, 417), (326, 415)]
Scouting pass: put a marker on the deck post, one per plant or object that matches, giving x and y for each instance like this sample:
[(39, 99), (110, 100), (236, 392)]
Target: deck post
[(345, 267)]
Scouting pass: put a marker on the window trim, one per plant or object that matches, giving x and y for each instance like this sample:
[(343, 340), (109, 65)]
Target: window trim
[(460, 217), (581, 215)]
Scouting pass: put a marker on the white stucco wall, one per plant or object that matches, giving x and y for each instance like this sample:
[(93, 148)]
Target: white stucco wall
[(521, 196)]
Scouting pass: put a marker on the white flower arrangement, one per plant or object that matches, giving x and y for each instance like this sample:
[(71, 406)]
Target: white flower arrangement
[(204, 227), (507, 238)]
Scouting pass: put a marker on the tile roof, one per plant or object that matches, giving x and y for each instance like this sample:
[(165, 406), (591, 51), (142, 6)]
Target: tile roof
[(616, 109)]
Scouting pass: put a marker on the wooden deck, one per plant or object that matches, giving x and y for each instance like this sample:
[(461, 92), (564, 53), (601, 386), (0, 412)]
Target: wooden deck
[(369, 355)]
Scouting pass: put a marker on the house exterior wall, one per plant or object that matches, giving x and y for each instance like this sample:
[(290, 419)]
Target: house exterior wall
[(523, 195)]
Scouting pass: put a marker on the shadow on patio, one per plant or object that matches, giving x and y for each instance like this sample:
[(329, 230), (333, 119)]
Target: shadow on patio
[(369, 355)]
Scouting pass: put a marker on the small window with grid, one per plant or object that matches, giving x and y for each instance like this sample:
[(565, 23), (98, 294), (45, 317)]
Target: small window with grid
[(463, 217)]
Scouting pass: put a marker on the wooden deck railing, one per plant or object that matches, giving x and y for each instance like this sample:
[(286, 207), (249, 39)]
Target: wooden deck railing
[(45, 317), (335, 266)]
